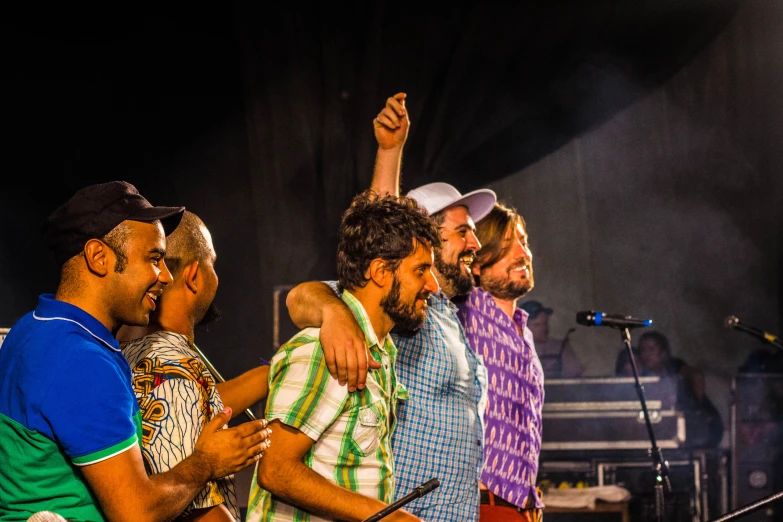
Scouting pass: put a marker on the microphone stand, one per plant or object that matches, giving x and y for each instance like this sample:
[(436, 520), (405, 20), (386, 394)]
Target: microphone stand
[(418, 492), (661, 467), (749, 508)]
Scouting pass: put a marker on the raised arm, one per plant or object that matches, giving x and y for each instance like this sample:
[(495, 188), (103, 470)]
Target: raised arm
[(127, 493), (315, 304), (391, 131), (282, 473)]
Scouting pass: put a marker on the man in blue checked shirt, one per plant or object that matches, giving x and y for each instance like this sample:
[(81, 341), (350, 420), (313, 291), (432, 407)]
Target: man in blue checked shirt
[(440, 429)]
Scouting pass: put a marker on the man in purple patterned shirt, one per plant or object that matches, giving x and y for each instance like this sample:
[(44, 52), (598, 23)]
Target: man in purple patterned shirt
[(496, 331)]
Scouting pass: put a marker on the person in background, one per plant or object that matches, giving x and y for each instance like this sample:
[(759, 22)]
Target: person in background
[(704, 426), (557, 356)]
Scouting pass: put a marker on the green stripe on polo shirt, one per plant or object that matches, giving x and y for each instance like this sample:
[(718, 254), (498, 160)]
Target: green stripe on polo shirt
[(118, 448)]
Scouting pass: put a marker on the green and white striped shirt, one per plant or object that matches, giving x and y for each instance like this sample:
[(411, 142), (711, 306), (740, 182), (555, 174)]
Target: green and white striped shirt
[(352, 431)]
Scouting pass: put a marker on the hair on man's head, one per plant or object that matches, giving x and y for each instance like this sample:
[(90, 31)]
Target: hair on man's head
[(385, 227), (492, 231), (186, 244)]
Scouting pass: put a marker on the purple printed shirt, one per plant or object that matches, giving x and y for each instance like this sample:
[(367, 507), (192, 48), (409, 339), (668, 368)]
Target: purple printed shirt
[(512, 436)]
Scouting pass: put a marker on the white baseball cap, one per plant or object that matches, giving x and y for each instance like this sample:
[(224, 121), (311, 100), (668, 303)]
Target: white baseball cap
[(434, 197)]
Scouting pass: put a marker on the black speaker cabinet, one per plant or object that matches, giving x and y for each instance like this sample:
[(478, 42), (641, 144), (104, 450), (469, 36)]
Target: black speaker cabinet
[(756, 442)]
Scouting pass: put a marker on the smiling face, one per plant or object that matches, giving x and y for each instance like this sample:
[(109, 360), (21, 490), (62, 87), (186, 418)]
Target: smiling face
[(459, 245), (139, 274), (414, 282), (511, 275)]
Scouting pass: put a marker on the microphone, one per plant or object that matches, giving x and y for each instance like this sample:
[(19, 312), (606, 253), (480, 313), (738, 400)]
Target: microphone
[(418, 491), (593, 318), (733, 323)]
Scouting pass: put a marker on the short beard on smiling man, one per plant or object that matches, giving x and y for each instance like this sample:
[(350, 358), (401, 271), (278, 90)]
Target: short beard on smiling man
[(404, 316), (506, 289), (453, 275)]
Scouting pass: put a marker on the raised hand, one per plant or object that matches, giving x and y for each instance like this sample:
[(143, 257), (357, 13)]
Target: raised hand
[(391, 124)]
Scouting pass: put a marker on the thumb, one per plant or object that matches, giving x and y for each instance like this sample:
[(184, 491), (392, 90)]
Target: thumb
[(220, 420)]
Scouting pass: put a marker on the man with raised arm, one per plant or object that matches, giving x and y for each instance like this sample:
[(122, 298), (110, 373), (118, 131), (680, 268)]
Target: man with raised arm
[(332, 457), (440, 431), (70, 425)]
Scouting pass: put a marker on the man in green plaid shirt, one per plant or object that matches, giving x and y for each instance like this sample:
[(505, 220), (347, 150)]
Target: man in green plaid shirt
[(331, 455)]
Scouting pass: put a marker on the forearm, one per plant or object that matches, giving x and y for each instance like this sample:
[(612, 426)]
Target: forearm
[(299, 485), (386, 175), (169, 493), (240, 393), (311, 302)]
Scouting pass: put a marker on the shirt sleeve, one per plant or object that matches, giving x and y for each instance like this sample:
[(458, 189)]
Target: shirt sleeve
[(335, 286), (175, 413), (91, 408), (302, 393)]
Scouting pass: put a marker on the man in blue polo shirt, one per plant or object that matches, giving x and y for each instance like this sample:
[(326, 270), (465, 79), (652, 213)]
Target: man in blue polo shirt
[(69, 421)]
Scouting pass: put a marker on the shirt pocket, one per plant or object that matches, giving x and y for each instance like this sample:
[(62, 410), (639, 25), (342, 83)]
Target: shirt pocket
[(368, 429)]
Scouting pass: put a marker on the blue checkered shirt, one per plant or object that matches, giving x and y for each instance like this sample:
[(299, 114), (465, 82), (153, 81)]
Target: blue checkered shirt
[(440, 429)]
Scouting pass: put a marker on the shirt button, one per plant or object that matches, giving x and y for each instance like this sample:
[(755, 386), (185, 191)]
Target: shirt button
[(478, 442)]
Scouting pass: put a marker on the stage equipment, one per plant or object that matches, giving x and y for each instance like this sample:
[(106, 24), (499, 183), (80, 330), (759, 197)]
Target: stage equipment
[(593, 318), (757, 443), (603, 413), (418, 491), (699, 479), (734, 323), (661, 467)]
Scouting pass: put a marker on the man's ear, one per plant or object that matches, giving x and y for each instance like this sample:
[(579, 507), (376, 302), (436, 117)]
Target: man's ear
[(98, 255), (190, 276), (379, 272)]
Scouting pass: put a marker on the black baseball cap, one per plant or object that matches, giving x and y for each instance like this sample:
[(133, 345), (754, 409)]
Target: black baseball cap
[(95, 210), (533, 308)]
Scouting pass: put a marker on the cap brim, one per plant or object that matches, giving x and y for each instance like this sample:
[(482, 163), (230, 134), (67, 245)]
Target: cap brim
[(479, 202), (168, 216)]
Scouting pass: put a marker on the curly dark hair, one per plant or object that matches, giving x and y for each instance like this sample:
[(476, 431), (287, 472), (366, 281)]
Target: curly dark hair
[(385, 227)]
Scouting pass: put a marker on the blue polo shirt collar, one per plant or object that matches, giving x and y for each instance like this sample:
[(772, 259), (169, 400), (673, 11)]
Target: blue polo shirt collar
[(50, 309)]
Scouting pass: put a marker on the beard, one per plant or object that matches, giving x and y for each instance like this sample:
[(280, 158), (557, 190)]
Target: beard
[(404, 315), (452, 274), (211, 315), (505, 288)]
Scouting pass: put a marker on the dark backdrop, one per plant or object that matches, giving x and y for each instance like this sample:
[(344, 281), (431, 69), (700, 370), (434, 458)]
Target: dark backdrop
[(641, 140)]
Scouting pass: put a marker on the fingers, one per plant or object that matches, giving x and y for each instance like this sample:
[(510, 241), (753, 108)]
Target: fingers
[(341, 360), (363, 357), (329, 356), (220, 420), (260, 439), (397, 103), (352, 363), (389, 117), (247, 429)]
